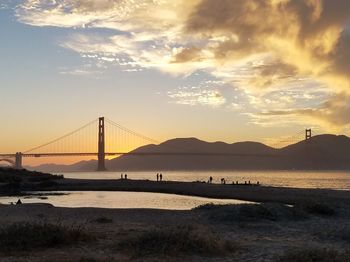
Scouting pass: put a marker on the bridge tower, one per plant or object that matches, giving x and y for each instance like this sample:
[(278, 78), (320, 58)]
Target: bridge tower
[(18, 160), (101, 144), (308, 134)]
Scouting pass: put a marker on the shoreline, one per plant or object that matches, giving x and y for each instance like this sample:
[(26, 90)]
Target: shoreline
[(284, 220), (252, 193)]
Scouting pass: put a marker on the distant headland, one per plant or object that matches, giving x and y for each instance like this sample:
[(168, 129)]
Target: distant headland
[(323, 152)]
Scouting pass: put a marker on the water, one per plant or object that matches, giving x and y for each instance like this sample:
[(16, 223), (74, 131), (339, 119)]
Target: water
[(121, 200), (304, 179), (339, 180)]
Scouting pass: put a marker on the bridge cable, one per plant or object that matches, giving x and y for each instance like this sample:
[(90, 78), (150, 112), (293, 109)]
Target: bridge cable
[(60, 138), (132, 132)]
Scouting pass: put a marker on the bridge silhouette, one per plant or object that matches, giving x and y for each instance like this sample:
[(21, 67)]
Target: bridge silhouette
[(83, 143)]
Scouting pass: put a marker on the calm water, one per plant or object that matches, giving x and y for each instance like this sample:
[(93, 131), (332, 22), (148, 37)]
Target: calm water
[(300, 179), (121, 200), (327, 180)]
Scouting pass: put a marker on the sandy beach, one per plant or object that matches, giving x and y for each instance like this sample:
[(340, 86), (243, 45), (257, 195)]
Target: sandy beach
[(286, 224), (256, 235), (314, 221)]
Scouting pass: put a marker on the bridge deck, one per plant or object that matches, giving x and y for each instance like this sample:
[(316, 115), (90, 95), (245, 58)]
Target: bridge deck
[(142, 154)]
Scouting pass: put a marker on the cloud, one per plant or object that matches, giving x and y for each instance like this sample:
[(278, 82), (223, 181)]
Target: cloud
[(308, 35), (87, 70), (197, 96), (289, 57), (76, 13), (184, 55), (333, 114)]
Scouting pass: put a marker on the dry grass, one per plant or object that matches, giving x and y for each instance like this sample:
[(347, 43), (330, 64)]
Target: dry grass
[(317, 208), (336, 232), (176, 241), (103, 220), (28, 236), (314, 255), (251, 213)]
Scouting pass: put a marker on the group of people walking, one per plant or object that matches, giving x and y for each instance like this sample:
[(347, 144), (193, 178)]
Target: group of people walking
[(223, 182), (210, 180), (159, 176)]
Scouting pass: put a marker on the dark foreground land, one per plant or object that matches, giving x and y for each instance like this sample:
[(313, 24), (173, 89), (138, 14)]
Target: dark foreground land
[(288, 225), (267, 232)]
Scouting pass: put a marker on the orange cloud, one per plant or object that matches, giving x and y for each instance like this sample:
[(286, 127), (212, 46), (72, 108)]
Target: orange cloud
[(258, 46)]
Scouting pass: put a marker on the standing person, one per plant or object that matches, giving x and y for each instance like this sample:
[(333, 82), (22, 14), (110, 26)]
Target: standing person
[(126, 176), (161, 177), (211, 179), (157, 177)]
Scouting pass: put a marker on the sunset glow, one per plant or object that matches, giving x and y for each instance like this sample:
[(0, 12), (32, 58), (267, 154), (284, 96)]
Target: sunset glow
[(206, 69)]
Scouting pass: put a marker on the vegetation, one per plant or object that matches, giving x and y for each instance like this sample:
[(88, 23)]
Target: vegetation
[(88, 259), (251, 213), (176, 240), (103, 220), (335, 232), (267, 211), (255, 212), (317, 208), (313, 255), (14, 181), (9, 178), (10, 175), (28, 236)]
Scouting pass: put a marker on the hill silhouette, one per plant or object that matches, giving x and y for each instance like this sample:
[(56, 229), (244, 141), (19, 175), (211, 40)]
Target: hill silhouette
[(323, 152)]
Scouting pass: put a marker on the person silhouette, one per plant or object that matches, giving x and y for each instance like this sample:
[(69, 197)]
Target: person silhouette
[(211, 179), (161, 177), (126, 176)]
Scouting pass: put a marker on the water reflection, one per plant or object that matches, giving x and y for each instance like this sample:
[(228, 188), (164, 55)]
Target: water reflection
[(104, 199)]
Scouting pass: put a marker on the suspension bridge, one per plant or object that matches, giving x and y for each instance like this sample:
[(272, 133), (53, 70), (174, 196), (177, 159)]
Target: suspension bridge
[(82, 142)]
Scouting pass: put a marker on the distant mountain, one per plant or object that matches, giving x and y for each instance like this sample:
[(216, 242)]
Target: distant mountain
[(79, 166), (324, 152)]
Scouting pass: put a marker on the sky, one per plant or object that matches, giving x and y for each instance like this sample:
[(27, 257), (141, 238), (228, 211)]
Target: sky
[(218, 70)]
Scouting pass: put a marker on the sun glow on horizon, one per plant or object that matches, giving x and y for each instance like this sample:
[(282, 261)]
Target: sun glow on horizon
[(206, 69)]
